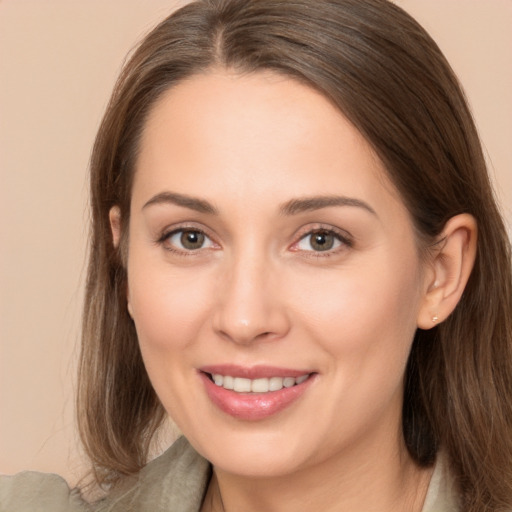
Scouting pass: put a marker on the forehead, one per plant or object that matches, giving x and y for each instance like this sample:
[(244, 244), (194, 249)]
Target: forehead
[(228, 136)]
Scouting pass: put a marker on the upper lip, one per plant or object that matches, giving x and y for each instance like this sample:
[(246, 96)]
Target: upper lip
[(253, 372)]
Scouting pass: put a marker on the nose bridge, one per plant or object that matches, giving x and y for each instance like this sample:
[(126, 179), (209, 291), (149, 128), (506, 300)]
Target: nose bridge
[(248, 306)]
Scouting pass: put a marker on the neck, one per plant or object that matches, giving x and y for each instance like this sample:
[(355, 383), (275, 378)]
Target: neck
[(374, 480)]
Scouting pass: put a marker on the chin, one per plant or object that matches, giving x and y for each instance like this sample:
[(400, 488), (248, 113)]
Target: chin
[(253, 452)]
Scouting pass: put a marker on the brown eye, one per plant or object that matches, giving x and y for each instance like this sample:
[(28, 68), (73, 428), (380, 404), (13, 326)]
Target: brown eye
[(320, 241), (188, 240), (192, 239)]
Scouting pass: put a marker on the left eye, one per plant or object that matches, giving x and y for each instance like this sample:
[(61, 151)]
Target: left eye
[(189, 240), (320, 241)]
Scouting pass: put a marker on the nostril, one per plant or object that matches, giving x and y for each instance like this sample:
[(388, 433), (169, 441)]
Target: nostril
[(244, 323)]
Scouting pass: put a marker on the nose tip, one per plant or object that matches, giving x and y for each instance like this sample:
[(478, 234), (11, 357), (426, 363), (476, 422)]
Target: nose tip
[(247, 311), (246, 331)]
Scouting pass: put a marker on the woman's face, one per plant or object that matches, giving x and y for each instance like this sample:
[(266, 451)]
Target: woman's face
[(268, 248)]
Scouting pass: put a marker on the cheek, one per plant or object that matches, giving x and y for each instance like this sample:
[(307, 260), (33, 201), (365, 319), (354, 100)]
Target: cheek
[(363, 322), (170, 310), (367, 312), (169, 307)]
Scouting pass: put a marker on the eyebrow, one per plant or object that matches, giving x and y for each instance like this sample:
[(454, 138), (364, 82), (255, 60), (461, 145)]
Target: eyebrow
[(292, 207), (307, 204), (193, 203)]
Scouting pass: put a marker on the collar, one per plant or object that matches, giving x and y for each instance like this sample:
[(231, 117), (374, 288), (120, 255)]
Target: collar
[(441, 495)]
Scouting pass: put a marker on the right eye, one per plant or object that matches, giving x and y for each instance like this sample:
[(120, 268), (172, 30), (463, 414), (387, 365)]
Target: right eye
[(321, 240), (187, 240)]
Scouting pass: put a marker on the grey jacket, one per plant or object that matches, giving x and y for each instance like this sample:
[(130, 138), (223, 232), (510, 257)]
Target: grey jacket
[(174, 482)]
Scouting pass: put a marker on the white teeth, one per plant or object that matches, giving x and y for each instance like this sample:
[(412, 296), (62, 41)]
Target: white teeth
[(228, 382), (300, 380), (288, 382), (241, 385), (275, 383), (259, 386)]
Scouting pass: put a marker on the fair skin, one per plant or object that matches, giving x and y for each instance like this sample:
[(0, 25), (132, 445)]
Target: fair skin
[(227, 265)]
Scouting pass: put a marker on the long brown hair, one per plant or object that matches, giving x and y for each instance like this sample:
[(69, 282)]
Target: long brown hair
[(389, 78)]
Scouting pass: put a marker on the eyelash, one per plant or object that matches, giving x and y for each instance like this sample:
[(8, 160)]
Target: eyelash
[(343, 237), (166, 236), (345, 240)]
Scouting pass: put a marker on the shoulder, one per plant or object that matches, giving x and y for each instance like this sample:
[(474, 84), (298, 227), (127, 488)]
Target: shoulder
[(177, 481), (38, 492)]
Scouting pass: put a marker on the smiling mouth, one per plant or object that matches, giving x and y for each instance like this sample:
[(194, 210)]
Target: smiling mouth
[(254, 393), (261, 385)]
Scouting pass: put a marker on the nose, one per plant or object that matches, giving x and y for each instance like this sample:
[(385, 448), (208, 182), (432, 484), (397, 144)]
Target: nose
[(250, 305)]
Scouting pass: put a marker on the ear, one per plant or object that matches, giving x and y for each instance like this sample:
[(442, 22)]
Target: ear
[(450, 266), (114, 216)]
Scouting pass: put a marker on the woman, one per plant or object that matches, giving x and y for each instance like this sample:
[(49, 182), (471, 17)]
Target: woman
[(295, 254)]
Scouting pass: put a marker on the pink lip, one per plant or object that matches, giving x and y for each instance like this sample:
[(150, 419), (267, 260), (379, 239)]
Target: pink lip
[(253, 406)]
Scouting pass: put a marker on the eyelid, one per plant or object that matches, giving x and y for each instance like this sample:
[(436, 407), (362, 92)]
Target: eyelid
[(346, 239), (169, 231)]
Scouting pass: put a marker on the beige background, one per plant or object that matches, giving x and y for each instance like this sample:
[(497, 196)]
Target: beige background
[(58, 62)]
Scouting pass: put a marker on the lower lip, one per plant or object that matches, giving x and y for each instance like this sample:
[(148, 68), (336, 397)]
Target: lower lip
[(253, 406)]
